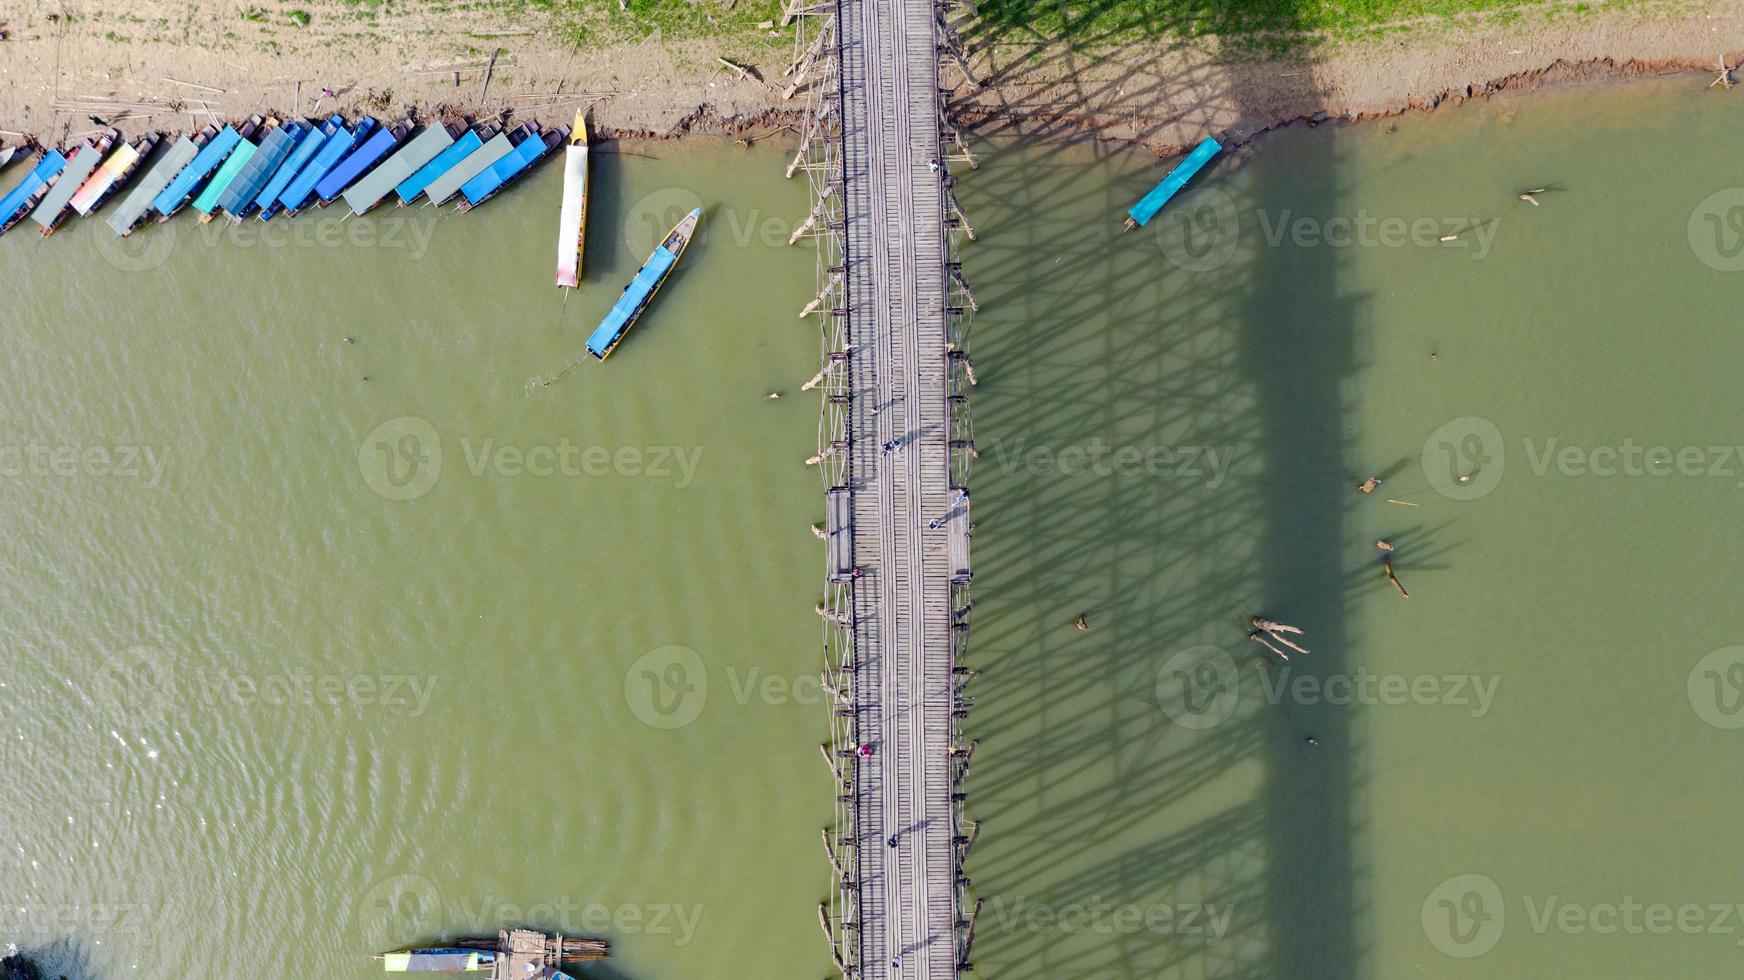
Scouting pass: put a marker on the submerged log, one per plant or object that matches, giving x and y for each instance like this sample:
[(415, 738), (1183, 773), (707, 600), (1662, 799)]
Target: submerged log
[(1261, 638)]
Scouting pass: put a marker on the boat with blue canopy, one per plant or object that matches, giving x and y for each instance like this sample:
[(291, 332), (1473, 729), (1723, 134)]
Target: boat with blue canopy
[(419, 150), (14, 206), (510, 168), (187, 183), (499, 146), (640, 292), (268, 199), (468, 143), (207, 202), (137, 204), (1148, 206), (354, 166), (238, 199), (302, 187), (509, 955)]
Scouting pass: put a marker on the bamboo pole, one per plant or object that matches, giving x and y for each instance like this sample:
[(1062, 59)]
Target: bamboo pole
[(824, 751), (811, 307), (208, 88), (830, 853), (488, 71), (969, 935), (817, 211), (840, 696), (964, 286)]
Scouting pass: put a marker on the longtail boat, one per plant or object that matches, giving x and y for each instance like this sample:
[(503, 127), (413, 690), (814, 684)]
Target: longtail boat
[(572, 219), (640, 292), (302, 188), (468, 144), (1148, 206), (114, 174), (17, 203), (369, 191), (238, 199), (513, 166), (509, 955), (207, 201), (360, 162), (81, 163), (137, 204), (187, 183), (500, 145), (269, 200)]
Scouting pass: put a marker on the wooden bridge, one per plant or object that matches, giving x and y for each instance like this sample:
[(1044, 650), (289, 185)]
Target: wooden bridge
[(894, 447)]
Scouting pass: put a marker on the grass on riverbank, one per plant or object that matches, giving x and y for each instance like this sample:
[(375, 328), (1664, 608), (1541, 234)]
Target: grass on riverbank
[(1080, 22), (603, 20)]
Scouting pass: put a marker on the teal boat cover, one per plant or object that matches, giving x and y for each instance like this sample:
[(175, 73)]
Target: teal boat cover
[(460, 149), (51, 163), (636, 295), (232, 168), (204, 162), (268, 199), (138, 201), (273, 150), (1169, 186)]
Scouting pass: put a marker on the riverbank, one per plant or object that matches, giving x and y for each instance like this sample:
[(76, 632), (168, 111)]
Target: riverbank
[(1168, 96), (163, 65)]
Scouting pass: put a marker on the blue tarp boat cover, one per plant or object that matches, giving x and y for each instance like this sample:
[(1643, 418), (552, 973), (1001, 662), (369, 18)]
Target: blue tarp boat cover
[(499, 173), (51, 163), (624, 311), (1169, 186), (326, 158), (353, 166), (138, 201), (273, 150), (204, 163), (460, 149), (311, 143)]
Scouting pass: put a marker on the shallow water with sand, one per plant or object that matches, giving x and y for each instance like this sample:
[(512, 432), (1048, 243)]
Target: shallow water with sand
[(330, 628)]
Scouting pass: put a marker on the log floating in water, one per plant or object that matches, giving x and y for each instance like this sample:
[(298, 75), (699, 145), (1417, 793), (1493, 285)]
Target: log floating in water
[(1277, 631), (1260, 637)]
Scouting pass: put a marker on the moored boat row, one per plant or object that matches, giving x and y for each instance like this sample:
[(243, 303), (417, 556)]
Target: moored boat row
[(262, 167)]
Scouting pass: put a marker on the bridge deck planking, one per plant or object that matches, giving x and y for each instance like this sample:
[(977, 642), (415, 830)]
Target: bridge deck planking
[(893, 210)]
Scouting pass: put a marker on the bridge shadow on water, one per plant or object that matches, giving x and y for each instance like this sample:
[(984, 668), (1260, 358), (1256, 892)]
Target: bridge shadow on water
[(1162, 428)]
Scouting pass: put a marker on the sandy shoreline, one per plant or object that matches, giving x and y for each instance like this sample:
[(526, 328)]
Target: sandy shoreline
[(163, 64)]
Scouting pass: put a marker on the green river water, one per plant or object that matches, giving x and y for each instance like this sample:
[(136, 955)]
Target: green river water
[(329, 628)]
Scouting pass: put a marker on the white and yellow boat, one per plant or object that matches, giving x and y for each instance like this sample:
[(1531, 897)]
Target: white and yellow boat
[(572, 224)]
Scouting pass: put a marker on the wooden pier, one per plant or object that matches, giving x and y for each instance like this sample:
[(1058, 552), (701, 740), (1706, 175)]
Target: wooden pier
[(895, 446)]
